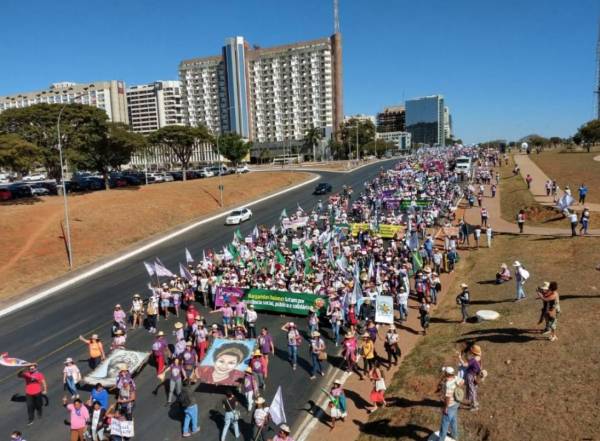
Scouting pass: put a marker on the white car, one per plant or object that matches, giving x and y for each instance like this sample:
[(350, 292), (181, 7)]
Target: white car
[(34, 177), (158, 177), (242, 169), (238, 216), (167, 177)]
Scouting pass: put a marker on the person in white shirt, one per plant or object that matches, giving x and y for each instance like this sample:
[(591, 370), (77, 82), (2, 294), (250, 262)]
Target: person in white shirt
[(403, 304), (489, 234), (449, 405), (261, 418)]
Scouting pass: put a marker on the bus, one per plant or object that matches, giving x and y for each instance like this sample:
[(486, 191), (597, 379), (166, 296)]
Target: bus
[(463, 165)]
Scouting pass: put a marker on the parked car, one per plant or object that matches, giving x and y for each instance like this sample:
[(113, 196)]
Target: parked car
[(156, 177), (322, 188), (34, 177), (20, 190), (238, 216), (206, 172), (5, 194), (242, 169), (38, 189)]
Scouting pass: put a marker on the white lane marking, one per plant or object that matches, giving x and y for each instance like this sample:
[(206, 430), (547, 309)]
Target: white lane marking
[(47, 292)]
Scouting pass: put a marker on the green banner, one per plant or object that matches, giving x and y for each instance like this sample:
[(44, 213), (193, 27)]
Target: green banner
[(423, 203), (284, 302)]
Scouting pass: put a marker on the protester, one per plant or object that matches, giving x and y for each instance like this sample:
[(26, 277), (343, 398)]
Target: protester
[(521, 220), (232, 415), (548, 293), (503, 275), (583, 191), (265, 344), (377, 395), (472, 371), (337, 403), (574, 221), (424, 317), (261, 419), (97, 421), (585, 221), (190, 411), (35, 388), (17, 436), (293, 340), (283, 434), (463, 299), (71, 376), (391, 346), (317, 354), (176, 377), (137, 311), (79, 418), (521, 276), (489, 235), (96, 350), (448, 385), (100, 395)]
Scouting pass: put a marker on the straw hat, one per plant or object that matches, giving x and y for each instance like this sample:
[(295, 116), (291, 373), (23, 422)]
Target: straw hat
[(260, 400), (136, 296), (475, 350), (123, 367), (257, 353), (366, 335), (338, 382), (215, 326), (188, 343), (448, 370), (94, 337), (119, 332), (316, 334), (284, 428), (464, 285), (517, 263), (545, 286), (68, 360), (349, 335), (178, 325)]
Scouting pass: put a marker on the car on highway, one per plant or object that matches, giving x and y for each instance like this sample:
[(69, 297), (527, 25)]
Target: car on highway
[(236, 217), (323, 188), (34, 177)]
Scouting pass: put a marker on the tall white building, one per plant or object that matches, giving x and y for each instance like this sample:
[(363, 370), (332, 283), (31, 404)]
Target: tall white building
[(155, 105), (271, 96), (106, 95), (447, 123)]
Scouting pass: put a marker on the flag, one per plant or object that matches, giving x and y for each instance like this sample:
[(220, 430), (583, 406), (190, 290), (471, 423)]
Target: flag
[(273, 230), (162, 271), (307, 267), (185, 273), (296, 243), (371, 271), (417, 261), (188, 256), (564, 202), (157, 260), (238, 235), (227, 254), (283, 214), (279, 257), (299, 207), (149, 268), (203, 256), (276, 409), (255, 233), (307, 251), (7, 361)]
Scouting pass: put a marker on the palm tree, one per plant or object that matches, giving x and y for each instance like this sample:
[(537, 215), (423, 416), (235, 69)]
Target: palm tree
[(312, 138)]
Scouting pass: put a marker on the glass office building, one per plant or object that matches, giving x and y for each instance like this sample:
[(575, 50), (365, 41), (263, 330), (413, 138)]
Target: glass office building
[(425, 120)]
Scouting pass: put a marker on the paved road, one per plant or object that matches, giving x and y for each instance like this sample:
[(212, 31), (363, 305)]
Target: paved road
[(47, 332)]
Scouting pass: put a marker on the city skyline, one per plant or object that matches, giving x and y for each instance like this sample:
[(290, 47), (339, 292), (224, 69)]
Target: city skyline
[(504, 74)]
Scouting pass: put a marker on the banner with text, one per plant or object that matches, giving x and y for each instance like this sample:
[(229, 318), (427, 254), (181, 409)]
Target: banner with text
[(284, 302), (227, 294)]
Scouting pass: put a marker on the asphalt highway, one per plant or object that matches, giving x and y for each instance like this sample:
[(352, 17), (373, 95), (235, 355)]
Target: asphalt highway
[(47, 332)]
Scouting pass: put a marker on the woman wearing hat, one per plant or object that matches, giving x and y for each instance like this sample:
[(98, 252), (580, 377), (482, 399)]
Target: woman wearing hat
[(349, 351), (391, 346), (257, 364), (137, 311), (472, 370), (377, 395), (249, 387), (317, 354), (95, 349), (293, 340), (503, 275), (119, 340), (337, 403), (367, 349), (261, 418), (283, 434), (71, 376)]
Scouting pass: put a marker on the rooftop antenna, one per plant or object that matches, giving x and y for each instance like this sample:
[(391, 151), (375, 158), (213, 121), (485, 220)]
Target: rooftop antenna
[(336, 16)]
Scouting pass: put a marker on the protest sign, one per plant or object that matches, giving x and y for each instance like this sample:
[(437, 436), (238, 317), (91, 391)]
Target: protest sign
[(387, 231), (284, 302), (107, 371), (227, 294), (121, 428), (356, 228), (384, 309), (226, 361)]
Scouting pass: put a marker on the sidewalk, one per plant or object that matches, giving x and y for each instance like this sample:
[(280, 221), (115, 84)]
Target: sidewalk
[(538, 189), (499, 225)]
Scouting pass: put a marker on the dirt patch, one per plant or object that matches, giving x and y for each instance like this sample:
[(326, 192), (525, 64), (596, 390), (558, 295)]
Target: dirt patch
[(572, 169), (536, 389), (32, 246)]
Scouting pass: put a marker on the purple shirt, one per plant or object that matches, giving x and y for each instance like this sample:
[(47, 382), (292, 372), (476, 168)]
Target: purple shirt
[(265, 341)]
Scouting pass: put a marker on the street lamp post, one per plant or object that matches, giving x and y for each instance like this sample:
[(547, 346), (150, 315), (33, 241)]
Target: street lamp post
[(62, 178)]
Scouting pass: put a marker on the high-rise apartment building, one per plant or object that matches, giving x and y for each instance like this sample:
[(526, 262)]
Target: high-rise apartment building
[(271, 96), (447, 123), (106, 95), (392, 119), (155, 105), (425, 120)]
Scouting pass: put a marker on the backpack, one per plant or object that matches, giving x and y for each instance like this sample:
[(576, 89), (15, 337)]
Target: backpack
[(524, 274)]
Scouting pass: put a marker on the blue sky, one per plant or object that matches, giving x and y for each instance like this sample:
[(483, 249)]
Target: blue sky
[(507, 68)]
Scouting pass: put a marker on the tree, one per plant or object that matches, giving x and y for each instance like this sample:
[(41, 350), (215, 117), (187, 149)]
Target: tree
[(233, 147), (538, 141), (312, 138), (589, 133), (379, 147), (110, 152), (17, 154), (181, 141), (80, 126), (337, 149), (555, 140), (348, 133), (265, 155)]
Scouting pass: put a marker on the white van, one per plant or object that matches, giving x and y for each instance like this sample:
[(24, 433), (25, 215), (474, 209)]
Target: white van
[(463, 164)]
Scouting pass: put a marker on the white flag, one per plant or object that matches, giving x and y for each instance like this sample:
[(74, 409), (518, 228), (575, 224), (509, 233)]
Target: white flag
[(276, 410), (149, 268), (162, 271), (188, 256), (185, 273)]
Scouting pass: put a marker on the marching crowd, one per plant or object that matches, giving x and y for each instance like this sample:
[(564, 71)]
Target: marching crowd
[(321, 255)]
